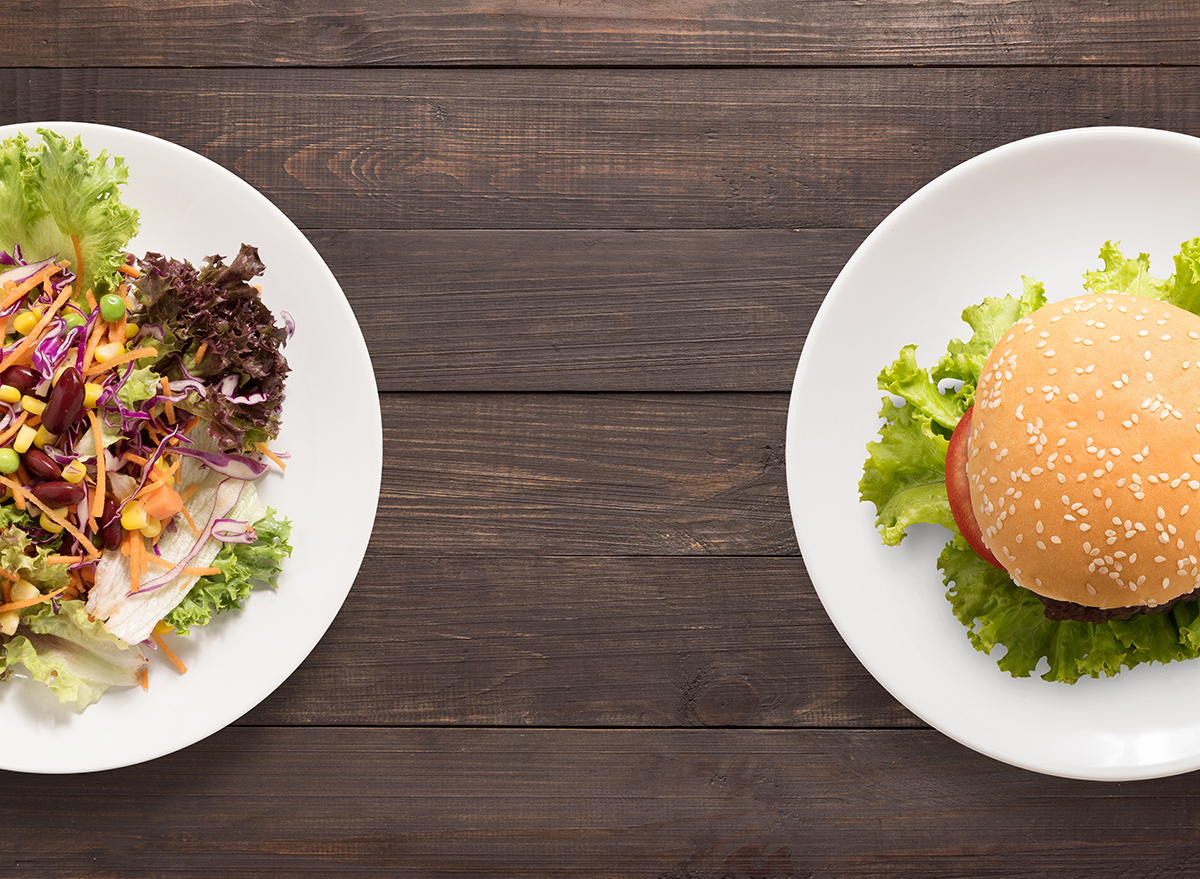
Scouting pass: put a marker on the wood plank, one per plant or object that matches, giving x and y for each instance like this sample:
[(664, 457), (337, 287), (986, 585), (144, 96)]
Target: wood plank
[(599, 475), (575, 803), (611, 149), (594, 32), (582, 642), (704, 310)]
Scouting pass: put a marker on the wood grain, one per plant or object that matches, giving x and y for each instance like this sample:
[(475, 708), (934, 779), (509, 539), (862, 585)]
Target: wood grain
[(265, 33), (606, 474), (600, 149), (700, 804), (719, 310), (583, 642)]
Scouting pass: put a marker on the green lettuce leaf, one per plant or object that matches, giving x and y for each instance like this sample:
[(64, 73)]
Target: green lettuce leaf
[(905, 475), (905, 472), (73, 655), (54, 190), (1133, 276), (18, 557), (242, 565), (990, 319)]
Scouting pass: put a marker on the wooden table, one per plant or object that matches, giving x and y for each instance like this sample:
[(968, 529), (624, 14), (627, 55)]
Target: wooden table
[(585, 241)]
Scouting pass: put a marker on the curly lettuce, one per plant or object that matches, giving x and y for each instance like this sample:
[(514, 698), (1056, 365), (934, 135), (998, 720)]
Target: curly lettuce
[(54, 195), (216, 307), (904, 477), (242, 565)]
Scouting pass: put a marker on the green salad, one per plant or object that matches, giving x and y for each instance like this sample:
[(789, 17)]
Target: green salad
[(138, 396)]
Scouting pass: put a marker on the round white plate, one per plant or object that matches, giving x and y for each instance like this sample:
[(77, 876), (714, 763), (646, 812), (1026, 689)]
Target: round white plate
[(192, 208), (1040, 207)]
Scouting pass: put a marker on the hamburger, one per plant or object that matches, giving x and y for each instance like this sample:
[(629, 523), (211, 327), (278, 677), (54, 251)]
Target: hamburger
[(1060, 444), (1083, 455)]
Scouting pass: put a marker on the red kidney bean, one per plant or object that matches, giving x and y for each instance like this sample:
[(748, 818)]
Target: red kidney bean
[(23, 378), (58, 494), (110, 525), (42, 465), (65, 403)]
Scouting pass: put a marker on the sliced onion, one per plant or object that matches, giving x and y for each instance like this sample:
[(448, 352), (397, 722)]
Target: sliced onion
[(233, 531), (236, 466), (24, 273)]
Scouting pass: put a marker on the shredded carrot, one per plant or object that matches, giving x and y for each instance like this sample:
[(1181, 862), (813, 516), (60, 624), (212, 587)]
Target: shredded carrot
[(168, 406), (187, 493), (262, 447), (91, 300), (54, 560), (78, 256), (189, 571), (168, 652), (6, 588), (128, 270), (30, 602), (116, 330), (129, 356), (137, 556), (12, 429), (89, 350), (135, 458), (126, 540), (201, 351), (17, 491), (144, 678), (97, 506), (16, 292), (188, 516), (36, 334), (9, 575)]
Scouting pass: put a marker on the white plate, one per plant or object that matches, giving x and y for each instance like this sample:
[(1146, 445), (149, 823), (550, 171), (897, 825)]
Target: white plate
[(1040, 207), (192, 208)]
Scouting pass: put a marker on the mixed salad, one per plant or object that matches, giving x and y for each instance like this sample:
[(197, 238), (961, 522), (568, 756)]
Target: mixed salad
[(905, 478), (137, 400)]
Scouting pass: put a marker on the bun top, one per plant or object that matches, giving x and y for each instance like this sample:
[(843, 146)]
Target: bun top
[(1084, 451)]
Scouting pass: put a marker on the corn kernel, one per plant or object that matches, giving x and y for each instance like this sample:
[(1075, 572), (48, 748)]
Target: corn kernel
[(133, 517), (74, 472), (91, 394), (131, 330), (24, 439), (162, 627), (9, 394), (152, 528), (43, 437), (9, 620), (23, 590), (33, 405), (108, 351), (24, 322), (49, 524)]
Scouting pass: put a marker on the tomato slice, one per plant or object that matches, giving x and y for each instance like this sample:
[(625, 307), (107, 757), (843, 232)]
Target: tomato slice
[(958, 487)]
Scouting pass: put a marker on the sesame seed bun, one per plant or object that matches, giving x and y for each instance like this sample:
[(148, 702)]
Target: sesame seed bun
[(1084, 451)]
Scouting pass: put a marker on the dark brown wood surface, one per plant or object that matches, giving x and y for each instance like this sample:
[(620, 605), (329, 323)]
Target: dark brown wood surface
[(586, 242)]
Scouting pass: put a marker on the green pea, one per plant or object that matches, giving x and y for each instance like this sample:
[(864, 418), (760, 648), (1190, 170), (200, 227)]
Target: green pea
[(73, 318), (9, 461), (112, 307)]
